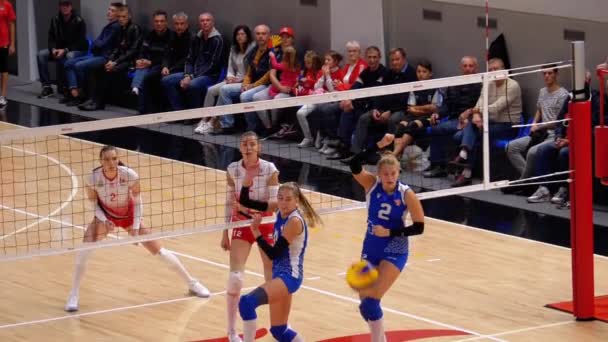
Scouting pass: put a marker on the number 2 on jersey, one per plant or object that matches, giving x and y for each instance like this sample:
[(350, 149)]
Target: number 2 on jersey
[(385, 211), (113, 197)]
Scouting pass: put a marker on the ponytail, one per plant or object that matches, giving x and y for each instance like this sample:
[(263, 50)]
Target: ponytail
[(312, 218)]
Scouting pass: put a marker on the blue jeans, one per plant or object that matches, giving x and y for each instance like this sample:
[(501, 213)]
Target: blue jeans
[(194, 94), (441, 136), (141, 81), (140, 76), (252, 117), (76, 69), (471, 135), (550, 159), (228, 94), (347, 124), (43, 65)]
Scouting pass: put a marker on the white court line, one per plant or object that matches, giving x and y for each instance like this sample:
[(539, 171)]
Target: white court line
[(511, 332), (63, 205), (348, 299), (123, 308)]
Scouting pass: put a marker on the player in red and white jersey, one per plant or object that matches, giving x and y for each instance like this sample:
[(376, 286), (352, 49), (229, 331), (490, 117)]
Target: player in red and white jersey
[(114, 190), (265, 188)]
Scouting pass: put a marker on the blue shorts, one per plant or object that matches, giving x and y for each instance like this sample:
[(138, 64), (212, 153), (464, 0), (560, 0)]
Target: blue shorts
[(375, 250), (292, 284)]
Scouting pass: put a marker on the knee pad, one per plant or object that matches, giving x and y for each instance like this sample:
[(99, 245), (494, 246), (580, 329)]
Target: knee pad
[(370, 309), (249, 302), (235, 283), (282, 333)]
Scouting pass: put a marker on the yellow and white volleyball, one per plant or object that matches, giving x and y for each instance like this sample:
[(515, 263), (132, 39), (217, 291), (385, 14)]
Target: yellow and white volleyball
[(361, 275)]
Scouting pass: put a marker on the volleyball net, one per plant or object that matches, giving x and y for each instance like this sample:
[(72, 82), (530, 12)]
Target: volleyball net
[(182, 176)]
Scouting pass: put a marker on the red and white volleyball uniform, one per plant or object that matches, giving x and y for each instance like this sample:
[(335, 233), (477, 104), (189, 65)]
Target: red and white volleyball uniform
[(114, 195), (259, 191)]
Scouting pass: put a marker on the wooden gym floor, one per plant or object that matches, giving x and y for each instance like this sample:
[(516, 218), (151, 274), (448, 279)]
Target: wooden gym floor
[(460, 283)]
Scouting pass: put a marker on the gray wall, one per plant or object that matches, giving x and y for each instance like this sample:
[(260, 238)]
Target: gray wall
[(311, 24), (531, 38)]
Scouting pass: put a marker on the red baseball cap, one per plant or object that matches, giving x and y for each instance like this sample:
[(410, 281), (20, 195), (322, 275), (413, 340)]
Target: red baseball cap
[(288, 31)]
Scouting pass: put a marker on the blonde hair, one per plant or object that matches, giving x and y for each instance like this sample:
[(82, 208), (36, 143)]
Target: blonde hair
[(311, 216), (388, 159), (315, 59)]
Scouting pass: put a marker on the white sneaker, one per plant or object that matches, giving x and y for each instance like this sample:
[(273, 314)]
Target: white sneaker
[(234, 338), (3, 101), (560, 195), (203, 127), (329, 150), (542, 194), (72, 304), (305, 143), (323, 148), (197, 289), (135, 91)]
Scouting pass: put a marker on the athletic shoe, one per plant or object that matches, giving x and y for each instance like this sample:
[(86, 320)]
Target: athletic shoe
[(542, 194), (46, 92), (3, 101), (72, 304), (197, 289), (234, 338), (560, 196), (305, 143), (203, 127)]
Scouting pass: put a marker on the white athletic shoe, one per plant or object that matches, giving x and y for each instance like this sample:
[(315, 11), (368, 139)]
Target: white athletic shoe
[(197, 289), (72, 304), (234, 338), (203, 127), (3, 101), (306, 143)]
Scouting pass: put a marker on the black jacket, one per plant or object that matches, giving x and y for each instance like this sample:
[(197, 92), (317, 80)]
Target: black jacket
[(179, 46), (129, 42), (205, 57), (155, 46), (71, 35), (395, 102)]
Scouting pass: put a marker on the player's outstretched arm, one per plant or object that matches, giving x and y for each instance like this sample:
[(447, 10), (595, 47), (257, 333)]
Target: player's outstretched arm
[(363, 177)]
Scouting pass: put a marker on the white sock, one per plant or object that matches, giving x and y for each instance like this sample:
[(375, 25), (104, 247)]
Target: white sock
[(79, 268), (463, 154), (175, 265), (249, 328), (376, 329), (298, 338), (233, 291), (467, 173)]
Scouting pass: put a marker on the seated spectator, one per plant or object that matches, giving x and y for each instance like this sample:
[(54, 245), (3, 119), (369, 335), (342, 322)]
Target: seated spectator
[(257, 77), (330, 68), (385, 112), (77, 69), (352, 110), (308, 75), (458, 100), (327, 115), (66, 40), (269, 121), (504, 108), (241, 45), (119, 61), (148, 64), (202, 67), (550, 100), (422, 111)]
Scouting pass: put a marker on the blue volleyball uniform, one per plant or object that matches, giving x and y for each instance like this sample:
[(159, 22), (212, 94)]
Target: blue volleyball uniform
[(289, 266), (389, 211)]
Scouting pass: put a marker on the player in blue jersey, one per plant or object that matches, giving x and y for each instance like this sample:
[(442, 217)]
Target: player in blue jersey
[(386, 244), (287, 255)]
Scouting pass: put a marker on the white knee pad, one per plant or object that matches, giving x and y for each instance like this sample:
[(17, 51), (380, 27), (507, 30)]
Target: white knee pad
[(235, 283)]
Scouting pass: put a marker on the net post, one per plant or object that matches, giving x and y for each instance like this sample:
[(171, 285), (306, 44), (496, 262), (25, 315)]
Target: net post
[(581, 190), (486, 131)]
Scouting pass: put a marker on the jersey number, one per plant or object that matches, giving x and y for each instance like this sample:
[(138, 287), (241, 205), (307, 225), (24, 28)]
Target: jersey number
[(385, 211), (112, 197)]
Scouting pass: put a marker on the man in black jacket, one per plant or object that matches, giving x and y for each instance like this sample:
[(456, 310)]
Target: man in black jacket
[(179, 46), (118, 63), (148, 64), (66, 40), (387, 111), (202, 67)]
